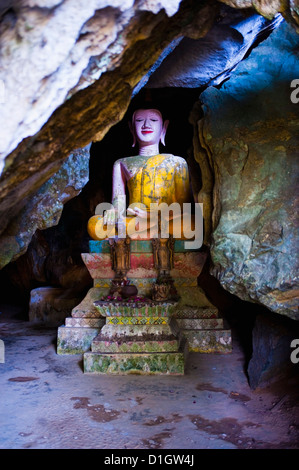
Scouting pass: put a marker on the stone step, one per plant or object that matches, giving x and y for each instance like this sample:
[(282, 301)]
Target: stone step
[(138, 332), (103, 345), (162, 363), (186, 311), (85, 322), (208, 341), (137, 320), (137, 309), (199, 323), (75, 340)]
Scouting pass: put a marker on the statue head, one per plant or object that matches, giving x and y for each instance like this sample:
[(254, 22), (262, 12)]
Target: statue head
[(148, 127)]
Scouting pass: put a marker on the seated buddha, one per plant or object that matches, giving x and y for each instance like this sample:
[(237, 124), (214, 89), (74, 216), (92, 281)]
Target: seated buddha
[(151, 178)]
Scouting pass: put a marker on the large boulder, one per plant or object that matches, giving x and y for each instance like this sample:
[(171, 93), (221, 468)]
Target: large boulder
[(248, 153), (51, 305)]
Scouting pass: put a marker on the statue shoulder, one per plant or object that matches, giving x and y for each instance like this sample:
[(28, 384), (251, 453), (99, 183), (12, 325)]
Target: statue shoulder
[(130, 158), (120, 160), (176, 159)]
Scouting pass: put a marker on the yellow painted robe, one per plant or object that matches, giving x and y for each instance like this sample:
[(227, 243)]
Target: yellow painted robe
[(161, 178)]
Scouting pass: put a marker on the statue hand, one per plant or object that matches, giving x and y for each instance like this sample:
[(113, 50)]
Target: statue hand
[(138, 212)]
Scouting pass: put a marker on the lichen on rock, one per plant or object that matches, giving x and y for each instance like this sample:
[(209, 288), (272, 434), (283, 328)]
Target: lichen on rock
[(250, 132), (44, 208)]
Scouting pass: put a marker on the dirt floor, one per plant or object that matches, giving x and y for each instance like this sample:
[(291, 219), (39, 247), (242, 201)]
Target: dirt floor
[(48, 403)]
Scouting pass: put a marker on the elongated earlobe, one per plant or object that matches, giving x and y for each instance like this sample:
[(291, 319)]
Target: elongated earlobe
[(163, 133), (133, 133)]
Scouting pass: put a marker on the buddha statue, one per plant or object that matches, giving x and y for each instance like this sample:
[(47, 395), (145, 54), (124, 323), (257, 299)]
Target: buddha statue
[(151, 178)]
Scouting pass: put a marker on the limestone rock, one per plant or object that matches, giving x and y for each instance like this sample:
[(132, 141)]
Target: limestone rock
[(53, 48), (249, 137), (271, 341), (210, 60), (51, 305), (269, 8), (43, 209)]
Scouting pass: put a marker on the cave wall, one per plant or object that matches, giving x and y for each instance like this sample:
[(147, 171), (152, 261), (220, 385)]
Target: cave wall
[(248, 148), (44, 208)]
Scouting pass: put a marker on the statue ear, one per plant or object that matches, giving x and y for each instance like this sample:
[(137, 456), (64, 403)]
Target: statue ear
[(133, 133), (163, 133)]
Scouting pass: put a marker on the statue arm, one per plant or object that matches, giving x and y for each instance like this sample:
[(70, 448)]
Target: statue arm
[(118, 185), (118, 194), (182, 180)]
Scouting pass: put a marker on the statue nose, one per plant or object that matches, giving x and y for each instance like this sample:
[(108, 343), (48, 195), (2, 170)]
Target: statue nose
[(146, 124)]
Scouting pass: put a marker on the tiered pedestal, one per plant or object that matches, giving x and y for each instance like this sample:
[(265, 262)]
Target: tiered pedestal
[(136, 340), (203, 329), (193, 317)]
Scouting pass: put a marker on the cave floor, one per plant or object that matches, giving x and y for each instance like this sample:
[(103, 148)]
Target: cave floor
[(48, 403)]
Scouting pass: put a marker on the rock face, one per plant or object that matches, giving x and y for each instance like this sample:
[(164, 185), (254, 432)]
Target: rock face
[(248, 140), (269, 8), (271, 349), (43, 209), (210, 60), (70, 42)]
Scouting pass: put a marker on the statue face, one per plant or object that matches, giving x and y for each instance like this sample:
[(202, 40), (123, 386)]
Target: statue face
[(148, 126)]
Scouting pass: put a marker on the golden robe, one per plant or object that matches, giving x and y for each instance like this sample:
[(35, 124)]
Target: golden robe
[(160, 178)]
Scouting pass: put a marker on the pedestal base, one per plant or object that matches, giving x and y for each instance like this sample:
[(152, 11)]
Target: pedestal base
[(83, 326), (137, 340), (204, 330), (75, 340), (167, 363), (149, 339)]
